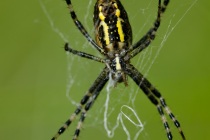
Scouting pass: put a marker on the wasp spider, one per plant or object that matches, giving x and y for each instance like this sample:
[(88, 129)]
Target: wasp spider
[(113, 39)]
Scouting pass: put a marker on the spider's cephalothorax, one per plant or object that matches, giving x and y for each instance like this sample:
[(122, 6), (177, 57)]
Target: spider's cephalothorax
[(114, 41)]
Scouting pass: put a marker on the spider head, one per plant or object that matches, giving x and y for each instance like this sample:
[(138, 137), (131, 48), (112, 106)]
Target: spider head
[(117, 67)]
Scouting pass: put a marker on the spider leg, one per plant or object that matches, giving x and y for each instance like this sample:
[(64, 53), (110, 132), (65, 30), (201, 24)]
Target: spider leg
[(155, 97), (88, 106), (83, 54), (81, 27), (150, 36), (93, 91)]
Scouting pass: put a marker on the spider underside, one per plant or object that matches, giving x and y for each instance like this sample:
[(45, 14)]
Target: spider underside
[(113, 37)]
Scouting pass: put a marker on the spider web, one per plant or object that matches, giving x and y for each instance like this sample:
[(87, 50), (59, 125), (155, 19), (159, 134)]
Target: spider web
[(116, 107)]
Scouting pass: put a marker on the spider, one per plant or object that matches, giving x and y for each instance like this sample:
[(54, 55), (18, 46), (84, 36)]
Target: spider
[(113, 39)]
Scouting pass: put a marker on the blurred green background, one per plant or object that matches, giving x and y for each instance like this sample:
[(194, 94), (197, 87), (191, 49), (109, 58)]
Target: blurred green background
[(33, 73)]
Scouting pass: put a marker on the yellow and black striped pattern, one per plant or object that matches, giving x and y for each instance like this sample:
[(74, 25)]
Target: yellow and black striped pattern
[(114, 40), (112, 27)]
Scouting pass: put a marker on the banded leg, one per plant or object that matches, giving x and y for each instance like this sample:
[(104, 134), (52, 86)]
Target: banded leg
[(155, 97), (101, 78), (155, 101), (83, 54), (150, 36), (88, 106), (81, 27), (171, 115)]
